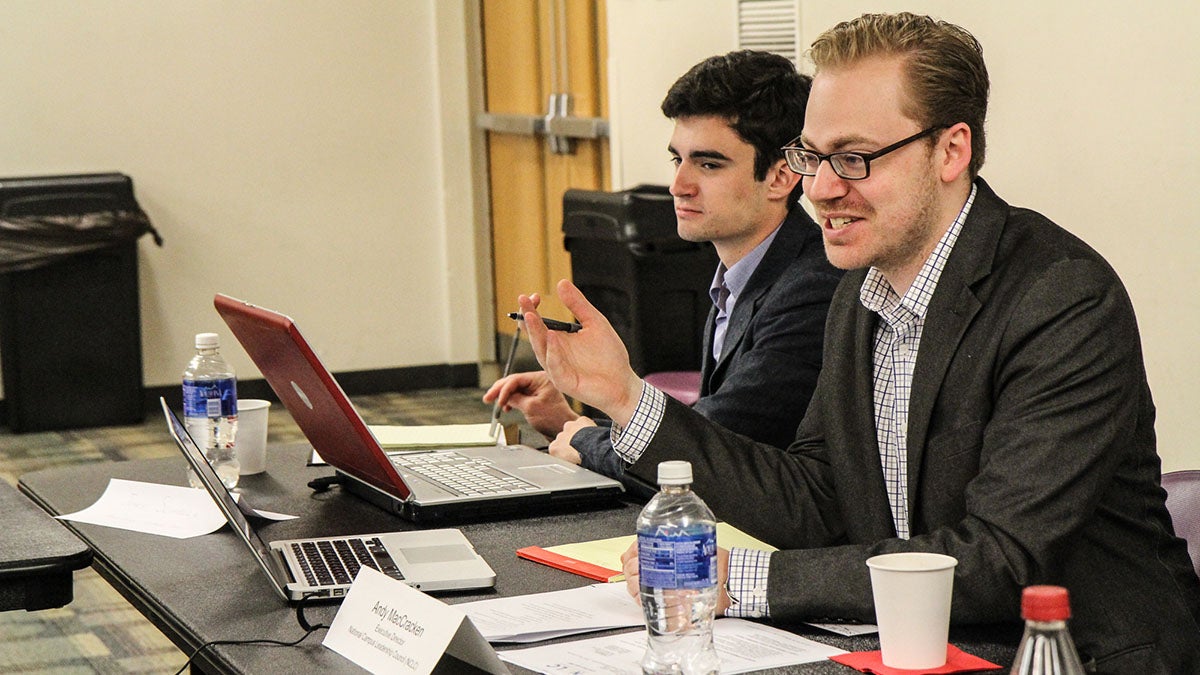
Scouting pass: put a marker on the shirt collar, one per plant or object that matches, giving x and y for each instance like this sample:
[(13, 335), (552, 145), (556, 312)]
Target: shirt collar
[(735, 278)]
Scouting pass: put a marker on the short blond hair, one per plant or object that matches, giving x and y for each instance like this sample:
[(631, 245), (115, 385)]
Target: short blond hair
[(947, 78)]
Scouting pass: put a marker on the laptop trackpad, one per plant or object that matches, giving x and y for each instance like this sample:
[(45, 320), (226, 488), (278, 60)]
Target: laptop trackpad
[(551, 468), (420, 555)]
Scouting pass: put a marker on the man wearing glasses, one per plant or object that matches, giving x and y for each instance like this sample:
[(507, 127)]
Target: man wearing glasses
[(982, 392)]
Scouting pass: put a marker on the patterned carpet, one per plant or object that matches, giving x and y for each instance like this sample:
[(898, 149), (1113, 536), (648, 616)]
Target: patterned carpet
[(101, 633)]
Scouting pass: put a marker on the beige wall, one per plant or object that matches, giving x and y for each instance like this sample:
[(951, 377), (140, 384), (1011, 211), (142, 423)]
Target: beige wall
[(306, 155), (1093, 121), (315, 156)]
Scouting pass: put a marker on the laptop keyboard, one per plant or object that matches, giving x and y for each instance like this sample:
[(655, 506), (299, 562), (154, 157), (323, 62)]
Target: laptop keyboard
[(330, 562), (462, 475)]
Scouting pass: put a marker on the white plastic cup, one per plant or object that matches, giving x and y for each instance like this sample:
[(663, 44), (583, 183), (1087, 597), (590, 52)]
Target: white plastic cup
[(912, 607), (252, 435)]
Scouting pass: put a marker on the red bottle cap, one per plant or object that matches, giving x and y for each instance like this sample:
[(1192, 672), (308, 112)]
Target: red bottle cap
[(1045, 603)]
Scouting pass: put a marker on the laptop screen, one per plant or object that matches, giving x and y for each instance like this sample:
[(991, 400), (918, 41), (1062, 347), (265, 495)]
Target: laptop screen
[(223, 498)]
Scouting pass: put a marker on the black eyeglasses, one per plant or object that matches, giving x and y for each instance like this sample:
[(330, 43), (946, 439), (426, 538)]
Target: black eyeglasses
[(848, 165)]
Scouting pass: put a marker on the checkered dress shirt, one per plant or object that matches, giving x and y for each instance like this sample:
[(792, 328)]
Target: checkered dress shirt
[(897, 338)]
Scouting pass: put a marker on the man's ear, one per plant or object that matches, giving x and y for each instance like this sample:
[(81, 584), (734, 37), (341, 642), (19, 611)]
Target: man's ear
[(956, 152), (781, 180)]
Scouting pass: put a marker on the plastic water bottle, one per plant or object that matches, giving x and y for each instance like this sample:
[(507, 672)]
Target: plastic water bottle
[(210, 408), (1046, 648), (677, 564)]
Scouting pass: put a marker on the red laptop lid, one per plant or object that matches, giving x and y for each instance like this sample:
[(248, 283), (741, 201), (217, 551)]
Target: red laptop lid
[(314, 399)]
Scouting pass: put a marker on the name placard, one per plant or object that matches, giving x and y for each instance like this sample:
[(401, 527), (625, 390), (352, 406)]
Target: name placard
[(386, 626)]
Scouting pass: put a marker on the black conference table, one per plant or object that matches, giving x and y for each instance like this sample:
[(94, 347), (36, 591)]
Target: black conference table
[(209, 588), (37, 555)]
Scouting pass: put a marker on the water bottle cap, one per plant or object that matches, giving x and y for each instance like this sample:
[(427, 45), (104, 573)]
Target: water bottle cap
[(675, 472), (207, 340), (1045, 603)]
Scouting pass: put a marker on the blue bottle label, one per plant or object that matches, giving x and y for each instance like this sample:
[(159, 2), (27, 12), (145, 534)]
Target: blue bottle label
[(210, 398), (678, 561)]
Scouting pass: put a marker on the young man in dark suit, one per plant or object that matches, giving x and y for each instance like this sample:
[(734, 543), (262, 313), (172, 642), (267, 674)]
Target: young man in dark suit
[(771, 291), (982, 394)]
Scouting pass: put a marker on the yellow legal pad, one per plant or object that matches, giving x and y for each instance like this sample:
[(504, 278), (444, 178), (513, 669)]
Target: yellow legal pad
[(601, 559), (396, 436)]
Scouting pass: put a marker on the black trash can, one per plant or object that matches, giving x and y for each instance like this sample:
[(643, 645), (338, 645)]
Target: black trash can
[(70, 323), (628, 259)]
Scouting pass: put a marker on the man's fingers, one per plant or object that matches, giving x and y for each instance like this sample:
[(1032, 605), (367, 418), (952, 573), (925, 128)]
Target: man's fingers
[(563, 450), (578, 305), (501, 390), (510, 389), (537, 335), (630, 553), (533, 325), (629, 565)]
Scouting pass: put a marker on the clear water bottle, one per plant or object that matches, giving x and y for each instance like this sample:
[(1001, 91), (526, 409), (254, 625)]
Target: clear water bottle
[(677, 564), (1046, 648), (210, 408)]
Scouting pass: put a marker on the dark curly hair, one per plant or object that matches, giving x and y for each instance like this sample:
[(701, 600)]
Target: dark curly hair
[(759, 93)]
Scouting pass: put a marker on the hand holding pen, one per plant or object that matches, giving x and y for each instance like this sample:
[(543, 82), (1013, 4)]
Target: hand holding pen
[(590, 365), (551, 324)]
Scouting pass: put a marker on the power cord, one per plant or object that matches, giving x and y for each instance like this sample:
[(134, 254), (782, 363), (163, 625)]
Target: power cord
[(308, 628), (323, 484)]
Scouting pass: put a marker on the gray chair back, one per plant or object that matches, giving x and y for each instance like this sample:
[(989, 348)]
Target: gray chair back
[(1183, 501)]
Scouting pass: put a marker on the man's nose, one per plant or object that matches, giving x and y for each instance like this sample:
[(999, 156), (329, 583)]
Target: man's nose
[(682, 184), (826, 184)]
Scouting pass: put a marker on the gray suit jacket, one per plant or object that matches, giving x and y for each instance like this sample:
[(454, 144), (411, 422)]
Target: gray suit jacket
[(1031, 454), (762, 384)]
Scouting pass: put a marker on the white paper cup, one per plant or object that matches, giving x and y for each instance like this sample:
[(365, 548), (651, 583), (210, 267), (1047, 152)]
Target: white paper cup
[(912, 607), (251, 444)]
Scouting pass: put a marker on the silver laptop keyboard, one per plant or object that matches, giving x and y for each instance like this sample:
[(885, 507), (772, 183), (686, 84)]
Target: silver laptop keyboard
[(337, 561), (462, 475)]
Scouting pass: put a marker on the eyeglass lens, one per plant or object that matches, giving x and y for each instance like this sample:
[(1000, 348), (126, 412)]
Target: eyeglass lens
[(848, 165)]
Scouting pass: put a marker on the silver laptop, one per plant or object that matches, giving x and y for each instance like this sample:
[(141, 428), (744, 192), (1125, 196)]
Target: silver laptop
[(324, 567), (421, 485)]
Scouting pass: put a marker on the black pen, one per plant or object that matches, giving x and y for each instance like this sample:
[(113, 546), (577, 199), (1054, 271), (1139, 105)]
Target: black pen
[(550, 323)]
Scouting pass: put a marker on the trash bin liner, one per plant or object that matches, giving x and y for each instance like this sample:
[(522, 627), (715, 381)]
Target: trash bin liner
[(43, 220), (70, 325)]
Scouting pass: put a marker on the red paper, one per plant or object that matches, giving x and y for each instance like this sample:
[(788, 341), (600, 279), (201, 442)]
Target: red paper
[(562, 562), (957, 661)]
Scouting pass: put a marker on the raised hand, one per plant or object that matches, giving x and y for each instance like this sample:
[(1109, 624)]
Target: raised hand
[(590, 365)]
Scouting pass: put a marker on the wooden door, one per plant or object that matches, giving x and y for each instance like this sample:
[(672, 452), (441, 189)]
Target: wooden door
[(534, 50)]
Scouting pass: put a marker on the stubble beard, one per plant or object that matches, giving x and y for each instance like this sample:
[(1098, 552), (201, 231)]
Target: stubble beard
[(900, 241), (915, 239)]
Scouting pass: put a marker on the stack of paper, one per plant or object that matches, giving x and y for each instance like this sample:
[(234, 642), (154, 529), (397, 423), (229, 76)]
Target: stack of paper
[(743, 646), (398, 437), (542, 616)]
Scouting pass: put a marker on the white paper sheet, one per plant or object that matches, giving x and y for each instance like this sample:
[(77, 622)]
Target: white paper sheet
[(167, 510), (742, 646), (847, 629), (541, 616)]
